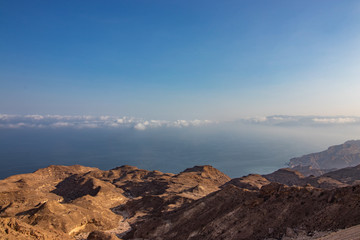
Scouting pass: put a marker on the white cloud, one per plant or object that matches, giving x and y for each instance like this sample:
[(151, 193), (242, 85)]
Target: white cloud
[(120, 120), (61, 124), (180, 123), (302, 120), (35, 117), (6, 116), (88, 125), (112, 124), (19, 125), (140, 126), (340, 120), (158, 123), (86, 121), (105, 118)]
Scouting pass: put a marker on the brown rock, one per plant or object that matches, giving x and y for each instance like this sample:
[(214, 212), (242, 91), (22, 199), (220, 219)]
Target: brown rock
[(97, 235), (75, 200), (250, 182), (228, 214), (14, 229)]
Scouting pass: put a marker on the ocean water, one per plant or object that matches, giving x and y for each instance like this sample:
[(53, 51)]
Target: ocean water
[(235, 150)]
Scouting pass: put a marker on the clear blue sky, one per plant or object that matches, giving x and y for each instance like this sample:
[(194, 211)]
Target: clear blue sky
[(180, 59)]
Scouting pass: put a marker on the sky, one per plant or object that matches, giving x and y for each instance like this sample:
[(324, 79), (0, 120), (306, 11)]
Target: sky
[(216, 60)]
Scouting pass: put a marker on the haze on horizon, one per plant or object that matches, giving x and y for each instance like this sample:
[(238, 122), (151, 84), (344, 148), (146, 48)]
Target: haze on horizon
[(180, 59)]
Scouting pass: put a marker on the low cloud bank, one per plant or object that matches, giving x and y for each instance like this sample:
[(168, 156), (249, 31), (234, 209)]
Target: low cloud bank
[(283, 120), (60, 121)]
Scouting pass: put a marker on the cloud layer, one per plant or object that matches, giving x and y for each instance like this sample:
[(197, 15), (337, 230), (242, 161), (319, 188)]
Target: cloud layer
[(79, 122), (283, 120), (59, 121)]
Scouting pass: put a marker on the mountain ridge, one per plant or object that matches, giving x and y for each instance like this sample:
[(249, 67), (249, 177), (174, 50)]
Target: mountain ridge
[(335, 157), (201, 202)]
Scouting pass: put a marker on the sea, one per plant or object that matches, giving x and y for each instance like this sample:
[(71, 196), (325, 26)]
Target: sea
[(235, 150)]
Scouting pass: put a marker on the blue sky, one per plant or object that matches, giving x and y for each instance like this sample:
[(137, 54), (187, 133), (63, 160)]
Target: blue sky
[(217, 60)]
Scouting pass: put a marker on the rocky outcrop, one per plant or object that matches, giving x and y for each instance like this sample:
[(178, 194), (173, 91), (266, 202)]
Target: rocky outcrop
[(311, 171), (155, 193), (286, 176), (97, 235), (250, 182), (291, 177), (351, 233), (14, 229)]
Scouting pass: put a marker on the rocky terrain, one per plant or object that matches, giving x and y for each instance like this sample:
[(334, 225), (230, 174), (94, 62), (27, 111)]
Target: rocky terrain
[(77, 202), (276, 211), (70, 202)]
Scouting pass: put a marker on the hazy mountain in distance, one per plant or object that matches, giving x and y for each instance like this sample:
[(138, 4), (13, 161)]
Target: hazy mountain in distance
[(335, 157)]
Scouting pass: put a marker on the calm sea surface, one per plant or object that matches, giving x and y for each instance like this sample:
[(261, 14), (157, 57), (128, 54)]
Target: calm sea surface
[(237, 151)]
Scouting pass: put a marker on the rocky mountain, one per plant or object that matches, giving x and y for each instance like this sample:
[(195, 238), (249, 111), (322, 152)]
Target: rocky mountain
[(276, 211), (251, 182), (309, 170), (70, 202), (291, 177), (335, 157), (350, 175), (77, 202)]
